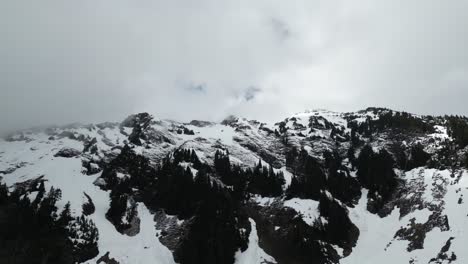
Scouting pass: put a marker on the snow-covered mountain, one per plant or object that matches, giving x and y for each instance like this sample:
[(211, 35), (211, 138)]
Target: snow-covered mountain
[(373, 186)]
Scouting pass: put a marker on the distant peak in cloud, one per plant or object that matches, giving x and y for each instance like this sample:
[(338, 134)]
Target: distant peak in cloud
[(251, 92), (197, 88)]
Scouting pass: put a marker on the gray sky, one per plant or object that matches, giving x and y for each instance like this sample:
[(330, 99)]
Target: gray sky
[(90, 61)]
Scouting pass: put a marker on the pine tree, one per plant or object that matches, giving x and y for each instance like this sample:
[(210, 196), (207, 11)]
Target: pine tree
[(223, 167), (3, 193), (65, 216)]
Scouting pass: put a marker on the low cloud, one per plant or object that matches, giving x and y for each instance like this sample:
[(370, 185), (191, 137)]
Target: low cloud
[(93, 61)]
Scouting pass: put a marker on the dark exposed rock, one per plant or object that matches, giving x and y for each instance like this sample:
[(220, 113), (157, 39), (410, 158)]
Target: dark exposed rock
[(262, 152), (415, 233), (67, 153), (106, 259), (17, 137), (29, 186), (444, 256), (90, 145), (134, 227), (172, 230), (67, 134), (230, 120), (339, 230), (123, 214), (90, 167), (200, 123), (88, 207), (295, 241), (141, 120), (14, 168), (107, 125), (188, 131), (142, 132)]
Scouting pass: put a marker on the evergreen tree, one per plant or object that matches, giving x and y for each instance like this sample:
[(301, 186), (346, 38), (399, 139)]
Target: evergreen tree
[(213, 236), (34, 233), (375, 172), (465, 160), (65, 216), (309, 173), (223, 167), (265, 182), (458, 129), (3, 194)]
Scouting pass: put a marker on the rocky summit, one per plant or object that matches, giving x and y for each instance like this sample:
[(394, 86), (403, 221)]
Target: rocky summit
[(372, 186)]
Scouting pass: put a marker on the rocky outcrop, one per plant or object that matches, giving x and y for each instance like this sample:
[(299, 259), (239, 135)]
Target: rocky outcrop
[(88, 207), (106, 259), (67, 153)]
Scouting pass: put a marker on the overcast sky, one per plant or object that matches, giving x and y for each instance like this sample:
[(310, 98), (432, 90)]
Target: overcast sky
[(90, 61)]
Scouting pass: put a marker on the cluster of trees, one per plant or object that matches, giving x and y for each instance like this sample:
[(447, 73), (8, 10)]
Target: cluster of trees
[(458, 129), (213, 234), (392, 120), (35, 232), (465, 160), (212, 199), (417, 157), (121, 210), (309, 178), (339, 228), (177, 190), (215, 216), (408, 159), (265, 181), (262, 180), (170, 186), (231, 175), (139, 122), (446, 157), (375, 172), (339, 181), (187, 155)]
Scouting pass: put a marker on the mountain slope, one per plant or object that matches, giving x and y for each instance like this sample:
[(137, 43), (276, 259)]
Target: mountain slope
[(373, 186)]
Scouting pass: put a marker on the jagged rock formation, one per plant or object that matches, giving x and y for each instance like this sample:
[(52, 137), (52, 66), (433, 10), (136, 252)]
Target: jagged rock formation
[(373, 186)]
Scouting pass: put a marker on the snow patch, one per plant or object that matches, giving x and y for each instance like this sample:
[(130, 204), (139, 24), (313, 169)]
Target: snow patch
[(306, 207), (254, 253)]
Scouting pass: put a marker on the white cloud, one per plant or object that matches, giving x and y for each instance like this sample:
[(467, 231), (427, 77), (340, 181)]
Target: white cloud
[(98, 60)]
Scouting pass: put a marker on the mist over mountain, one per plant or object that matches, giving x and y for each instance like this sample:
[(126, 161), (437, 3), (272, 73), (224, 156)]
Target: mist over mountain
[(93, 62)]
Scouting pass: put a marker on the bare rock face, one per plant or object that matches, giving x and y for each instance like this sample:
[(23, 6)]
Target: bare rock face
[(107, 260), (230, 120), (200, 123), (30, 185), (88, 207), (123, 214), (67, 153), (13, 168), (133, 227), (172, 230)]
